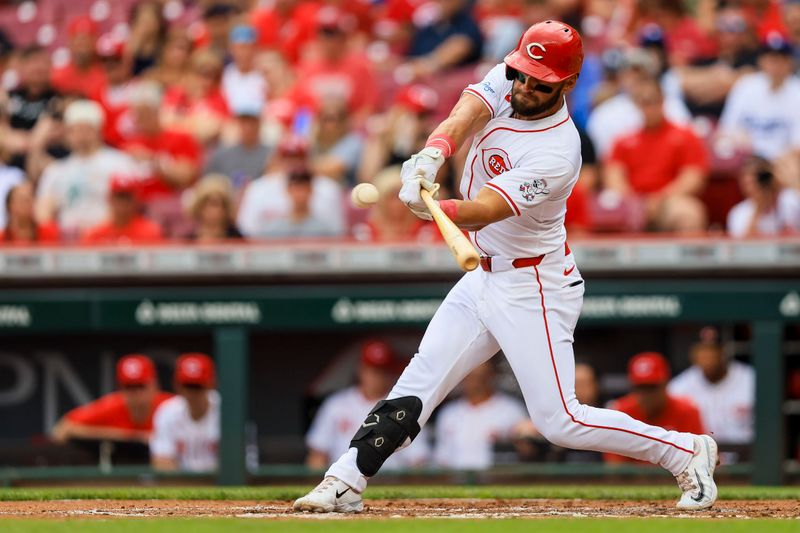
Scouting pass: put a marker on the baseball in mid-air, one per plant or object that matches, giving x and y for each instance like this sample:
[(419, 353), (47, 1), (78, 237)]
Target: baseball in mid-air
[(364, 195)]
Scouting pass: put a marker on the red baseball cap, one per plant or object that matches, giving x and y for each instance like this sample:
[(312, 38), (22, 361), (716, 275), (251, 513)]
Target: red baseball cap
[(108, 47), (122, 184), (417, 98), (648, 368), (195, 369), (135, 369), (378, 354), (81, 25)]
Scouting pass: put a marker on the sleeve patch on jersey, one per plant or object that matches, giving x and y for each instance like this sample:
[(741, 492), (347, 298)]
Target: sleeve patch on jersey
[(508, 198), (531, 189)]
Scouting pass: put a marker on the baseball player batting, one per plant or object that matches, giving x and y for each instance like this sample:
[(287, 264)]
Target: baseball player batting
[(526, 297)]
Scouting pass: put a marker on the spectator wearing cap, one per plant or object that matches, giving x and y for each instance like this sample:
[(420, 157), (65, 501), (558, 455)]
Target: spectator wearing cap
[(126, 224), (467, 429), (618, 115), (21, 225), (243, 85), (300, 221), (73, 191), (268, 199), (336, 72), (388, 221), (662, 167), (400, 132), (769, 208), (448, 37), (649, 401), (342, 413), (83, 73), (168, 160), (761, 112), (148, 32), (197, 106), (186, 428), (124, 415), (337, 146), (114, 96), (246, 159), (34, 99), (211, 209), (722, 388)]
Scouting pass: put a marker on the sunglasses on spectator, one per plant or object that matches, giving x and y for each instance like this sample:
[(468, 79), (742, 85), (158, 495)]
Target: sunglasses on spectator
[(193, 386), (523, 79)]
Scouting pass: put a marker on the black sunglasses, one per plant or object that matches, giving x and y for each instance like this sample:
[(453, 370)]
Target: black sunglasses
[(514, 74)]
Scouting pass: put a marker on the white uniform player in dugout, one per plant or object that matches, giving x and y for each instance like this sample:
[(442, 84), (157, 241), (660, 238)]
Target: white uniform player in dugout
[(526, 297)]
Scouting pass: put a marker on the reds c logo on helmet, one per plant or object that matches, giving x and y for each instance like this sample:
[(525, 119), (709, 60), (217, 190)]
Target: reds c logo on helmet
[(549, 51)]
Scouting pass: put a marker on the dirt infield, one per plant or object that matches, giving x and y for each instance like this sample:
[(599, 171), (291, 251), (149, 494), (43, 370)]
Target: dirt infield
[(423, 508)]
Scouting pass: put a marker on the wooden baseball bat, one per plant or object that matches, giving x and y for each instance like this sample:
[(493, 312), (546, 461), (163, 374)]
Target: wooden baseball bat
[(465, 254)]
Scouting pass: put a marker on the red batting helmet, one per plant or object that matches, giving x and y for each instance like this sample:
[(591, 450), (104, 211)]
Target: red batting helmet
[(549, 51)]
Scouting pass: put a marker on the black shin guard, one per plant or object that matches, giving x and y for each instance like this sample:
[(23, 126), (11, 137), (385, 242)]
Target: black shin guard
[(385, 429)]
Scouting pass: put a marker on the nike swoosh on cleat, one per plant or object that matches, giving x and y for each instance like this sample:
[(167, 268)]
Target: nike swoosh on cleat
[(699, 497), (340, 494), (568, 271)]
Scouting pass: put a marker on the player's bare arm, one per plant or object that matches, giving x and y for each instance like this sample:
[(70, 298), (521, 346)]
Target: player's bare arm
[(488, 207)]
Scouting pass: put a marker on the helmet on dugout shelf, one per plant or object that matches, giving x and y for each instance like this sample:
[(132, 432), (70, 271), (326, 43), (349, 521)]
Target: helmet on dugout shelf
[(549, 51)]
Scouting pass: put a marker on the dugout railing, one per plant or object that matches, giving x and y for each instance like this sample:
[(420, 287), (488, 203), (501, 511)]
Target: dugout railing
[(231, 292)]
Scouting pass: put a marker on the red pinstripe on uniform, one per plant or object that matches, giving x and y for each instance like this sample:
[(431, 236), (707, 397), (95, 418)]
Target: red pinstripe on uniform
[(561, 392), (508, 198)]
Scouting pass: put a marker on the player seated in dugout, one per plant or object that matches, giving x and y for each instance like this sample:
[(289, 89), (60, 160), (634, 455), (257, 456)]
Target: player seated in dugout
[(649, 401), (124, 415), (186, 428)]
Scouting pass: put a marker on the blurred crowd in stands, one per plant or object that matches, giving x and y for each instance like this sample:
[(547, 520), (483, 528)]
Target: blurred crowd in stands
[(131, 121), (479, 426)]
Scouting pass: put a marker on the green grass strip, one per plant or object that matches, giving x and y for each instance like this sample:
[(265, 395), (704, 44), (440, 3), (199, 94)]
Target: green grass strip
[(548, 525), (589, 492)]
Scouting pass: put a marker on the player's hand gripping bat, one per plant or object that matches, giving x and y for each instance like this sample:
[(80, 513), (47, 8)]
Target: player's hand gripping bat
[(465, 254)]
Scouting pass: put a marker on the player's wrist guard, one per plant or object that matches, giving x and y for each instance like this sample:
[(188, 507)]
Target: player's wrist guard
[(442, 142)]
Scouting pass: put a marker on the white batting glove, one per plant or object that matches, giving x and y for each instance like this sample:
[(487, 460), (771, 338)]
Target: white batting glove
[(419, 172)]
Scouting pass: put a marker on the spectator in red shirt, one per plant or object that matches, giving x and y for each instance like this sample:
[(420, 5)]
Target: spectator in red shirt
[(114, 95), (662, 167), (170, 160), (125, 415), (126, 224), (648, 373), (84, 73), (21, 227), (336, 72), (197, 106)]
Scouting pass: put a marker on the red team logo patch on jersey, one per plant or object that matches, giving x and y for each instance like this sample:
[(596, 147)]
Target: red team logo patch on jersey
[(495, 161)]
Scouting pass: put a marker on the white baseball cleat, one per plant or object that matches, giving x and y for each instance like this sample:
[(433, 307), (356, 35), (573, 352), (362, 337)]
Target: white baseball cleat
[(330, 496), (697, 481)]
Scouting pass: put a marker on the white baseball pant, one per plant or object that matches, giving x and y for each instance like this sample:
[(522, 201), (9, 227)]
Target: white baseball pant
[(530, 313)]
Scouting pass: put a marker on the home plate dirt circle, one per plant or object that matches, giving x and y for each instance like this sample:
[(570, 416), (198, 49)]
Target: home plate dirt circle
[(399, 509)]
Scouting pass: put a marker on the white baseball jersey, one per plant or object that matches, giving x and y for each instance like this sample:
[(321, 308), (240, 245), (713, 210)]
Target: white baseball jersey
[(466, 433), (725, 407), (529, 312), (770, 117), (339, 418), (532, 164), (193, 443)]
